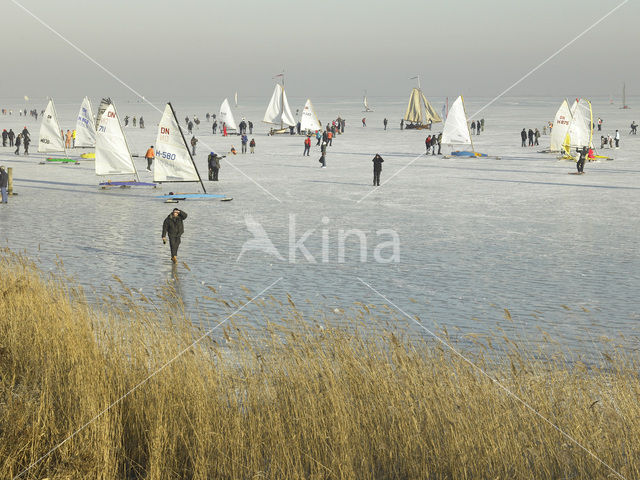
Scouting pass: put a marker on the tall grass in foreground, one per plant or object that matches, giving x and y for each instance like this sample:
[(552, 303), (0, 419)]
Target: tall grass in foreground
[(293, 402)]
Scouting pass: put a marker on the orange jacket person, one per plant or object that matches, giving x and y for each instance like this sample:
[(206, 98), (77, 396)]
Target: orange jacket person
[(150, 155)]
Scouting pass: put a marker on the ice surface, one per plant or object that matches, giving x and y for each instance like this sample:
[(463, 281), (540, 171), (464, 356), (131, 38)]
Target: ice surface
[(477, 235)]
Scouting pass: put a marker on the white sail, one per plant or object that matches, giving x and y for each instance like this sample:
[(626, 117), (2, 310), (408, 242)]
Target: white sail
[(581, 126), (226, 116), (456, 129), (309, 120), (50, 136), (112, 152), (278, 111), (560, 126), (235, 97), (85, 131), (173, 161), (367, 108)]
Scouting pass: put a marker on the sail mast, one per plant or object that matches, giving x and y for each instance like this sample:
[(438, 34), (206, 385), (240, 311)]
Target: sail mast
[(173, 112), (282, 103), (125, 142), (55, 115), (467, 123)]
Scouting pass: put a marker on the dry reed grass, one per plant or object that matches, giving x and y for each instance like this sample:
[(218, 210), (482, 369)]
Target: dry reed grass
[(293, 401)]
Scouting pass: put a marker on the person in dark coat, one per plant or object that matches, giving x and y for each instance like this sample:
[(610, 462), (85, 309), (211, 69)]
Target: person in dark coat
[(26, 140), (11, 137), (173, 228), (583, 156), (439, 143), (323, 155), (194, 141), (434, 142), (189, 126), (4, 182), (530, 138), (214, 126), (523, 136), (250, 127), (377, 168), (18, 142), (214, 166), (5, 137), (385, 121)]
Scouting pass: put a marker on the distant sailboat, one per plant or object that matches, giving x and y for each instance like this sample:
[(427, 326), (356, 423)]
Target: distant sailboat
[(174, 162), (235, 97), (420, 113), (51, 140), (113, 156), (624, 97), (226, 116), (365, 104), (309, 121), (278, 111), (456, 130), (85, 130)]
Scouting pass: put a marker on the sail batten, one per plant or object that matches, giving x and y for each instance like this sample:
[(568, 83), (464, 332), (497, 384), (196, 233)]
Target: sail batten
[(50, 134), (85, 131), (112, 152)]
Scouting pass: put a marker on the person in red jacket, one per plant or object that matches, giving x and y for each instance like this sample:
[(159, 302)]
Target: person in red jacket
[(307, 146)]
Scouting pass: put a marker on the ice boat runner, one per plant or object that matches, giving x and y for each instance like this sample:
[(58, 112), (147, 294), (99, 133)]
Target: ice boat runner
[(309, 121), (365, 104), (226, 116), (51, 140), (112, 152), (174, 162), (85, 130), (420, 113), (456, 131), (278, 111)]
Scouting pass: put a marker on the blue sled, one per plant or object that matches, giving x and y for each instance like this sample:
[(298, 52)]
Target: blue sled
[(184, 196), (466, 153)]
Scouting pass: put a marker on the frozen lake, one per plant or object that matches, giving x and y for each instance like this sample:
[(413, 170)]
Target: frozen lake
[(476, 235)]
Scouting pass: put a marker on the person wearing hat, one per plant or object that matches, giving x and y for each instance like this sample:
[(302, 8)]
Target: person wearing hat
[(377, 168), (150, 155), (4, 182), (173, 228), (213, 161)]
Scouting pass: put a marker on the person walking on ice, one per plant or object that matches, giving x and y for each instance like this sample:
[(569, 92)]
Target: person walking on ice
[(364, 121), (173, 227), (194, 141), (616, 137), (377, 168), (150, 155), (583, 156), (4, 182)]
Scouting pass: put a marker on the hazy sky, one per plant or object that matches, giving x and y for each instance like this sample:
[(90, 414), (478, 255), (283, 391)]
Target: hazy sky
[(194, 49)]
